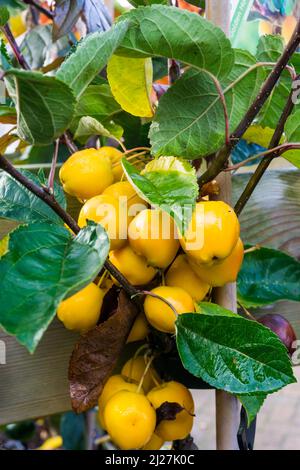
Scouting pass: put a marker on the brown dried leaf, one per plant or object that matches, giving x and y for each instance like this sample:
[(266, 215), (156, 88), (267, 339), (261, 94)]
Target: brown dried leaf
[(167, 411), (210, 189), (96, 354), (185, 444)]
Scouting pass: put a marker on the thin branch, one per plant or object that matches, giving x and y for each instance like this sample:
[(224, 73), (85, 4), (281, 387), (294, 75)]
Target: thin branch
[(40, 8), (69, 143), (274, 152), (49, 199), (223, 154), (264, 164), (53, 167), (174, 71), (16, 50)]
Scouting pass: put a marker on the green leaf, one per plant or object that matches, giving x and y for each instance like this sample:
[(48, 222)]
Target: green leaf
[(169, 184), (138, 3), (18, 203), (269, 48), (232, 353), (72, 430), (90, 57), (44, 105), (89, 126), (252, 405), (267, 276), (167, 31), (6, 62), (130, 80), (35, 45), (292, 132), (190, 118), (44, 265), (209, 308), (96, 102), (4, 15)]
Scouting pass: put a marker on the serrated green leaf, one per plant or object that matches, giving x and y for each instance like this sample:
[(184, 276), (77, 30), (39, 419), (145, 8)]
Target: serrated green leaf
[(269, 48), (232, 353), (89, 126), (209, 308), (6, 62), (167, 31), (35, 45), (292, 131), (44, 265), (97, 102), (18, 203), (169, 184), (4, 15), (138, 3), (90, 57), (45, 105), (130, 80), (252, 405), (267, 276), (190, 118)]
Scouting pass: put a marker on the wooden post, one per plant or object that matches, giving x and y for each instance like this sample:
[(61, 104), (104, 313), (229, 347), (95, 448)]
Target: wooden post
[(227, 406)]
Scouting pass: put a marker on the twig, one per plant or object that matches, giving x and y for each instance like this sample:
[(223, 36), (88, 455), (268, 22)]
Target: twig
[(53, 167), (264, 164), (50, 200), (40, 8), (174, 71), (274, 152), (102, 440), (40, 192), (69, 143), (144, 374), (159, 297), (16, 50), (252, 249), (247, 312), (223, 154)]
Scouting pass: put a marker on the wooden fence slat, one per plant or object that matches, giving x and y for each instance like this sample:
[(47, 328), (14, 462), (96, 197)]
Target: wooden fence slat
[(35, 385)]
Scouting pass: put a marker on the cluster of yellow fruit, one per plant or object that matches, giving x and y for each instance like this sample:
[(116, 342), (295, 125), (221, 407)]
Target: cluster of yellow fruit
[(128, 404), (144, 241)]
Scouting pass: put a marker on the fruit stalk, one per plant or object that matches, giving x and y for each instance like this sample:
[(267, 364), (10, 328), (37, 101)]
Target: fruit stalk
[(13, 44), (223, 154), (40, 8)]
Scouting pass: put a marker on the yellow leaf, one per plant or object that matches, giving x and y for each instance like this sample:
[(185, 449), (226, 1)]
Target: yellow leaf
[(130, 81), (260, 135), (4, 245), (6, 140)]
